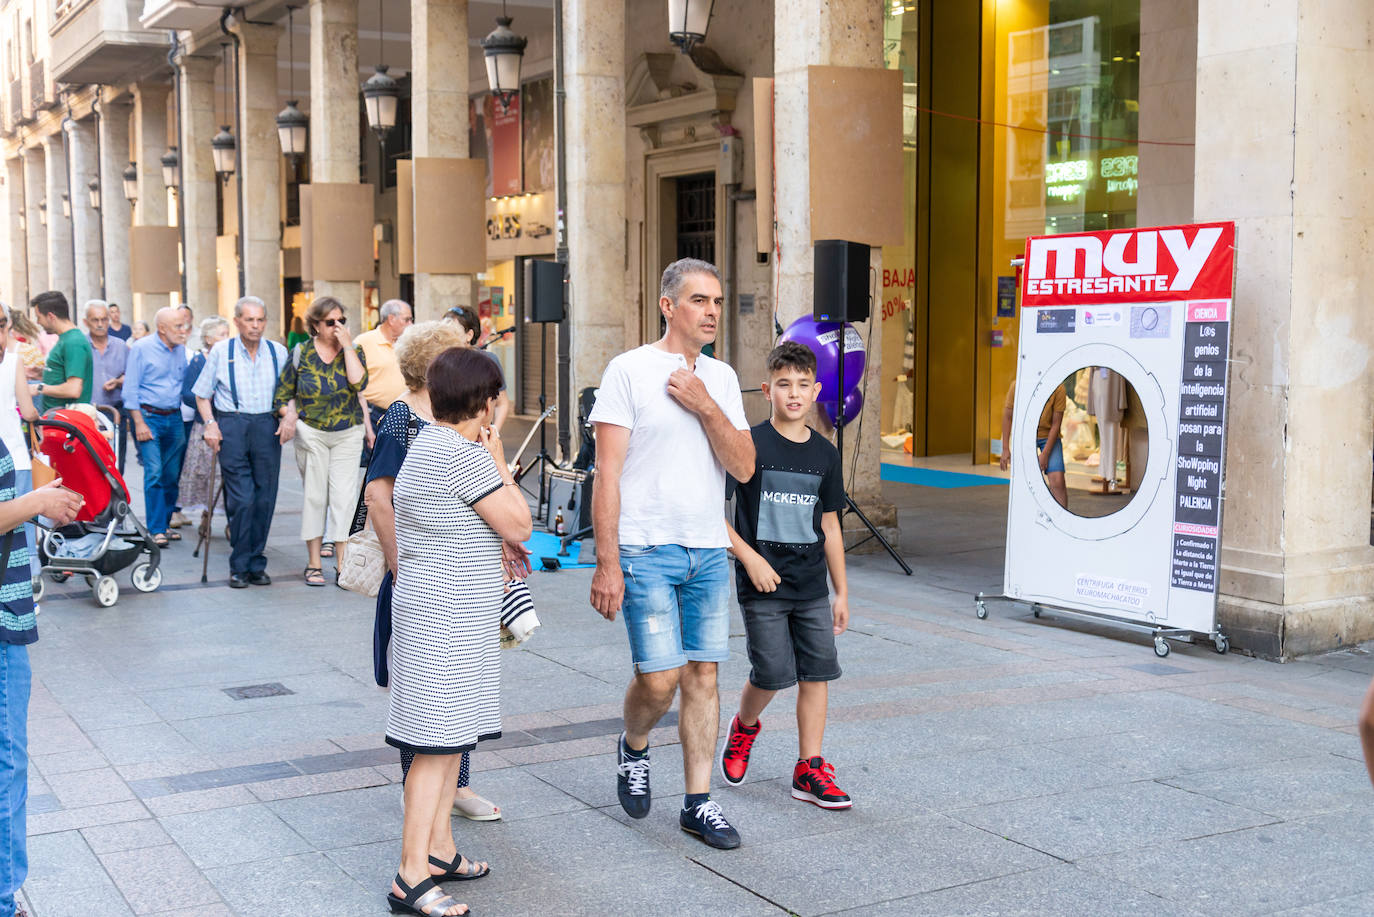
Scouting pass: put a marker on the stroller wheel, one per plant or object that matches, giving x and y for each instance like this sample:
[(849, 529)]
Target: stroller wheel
[(144, 578), (106, 591)]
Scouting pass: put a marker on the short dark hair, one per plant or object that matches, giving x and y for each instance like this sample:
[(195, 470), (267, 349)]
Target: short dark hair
[(53, 303), (468, 319), (461, 381), (791, 355)]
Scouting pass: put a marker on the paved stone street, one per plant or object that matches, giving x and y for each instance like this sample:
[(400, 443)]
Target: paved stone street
[(1006, 766)]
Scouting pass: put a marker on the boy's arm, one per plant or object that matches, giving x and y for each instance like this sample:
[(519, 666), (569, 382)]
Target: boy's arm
[(834, 562), (760, 571)]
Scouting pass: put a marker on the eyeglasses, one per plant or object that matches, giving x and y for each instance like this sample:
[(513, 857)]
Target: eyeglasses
[(333, 322)]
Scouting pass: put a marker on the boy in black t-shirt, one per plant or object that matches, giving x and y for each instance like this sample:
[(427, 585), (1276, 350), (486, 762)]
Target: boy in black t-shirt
[(786, 532)]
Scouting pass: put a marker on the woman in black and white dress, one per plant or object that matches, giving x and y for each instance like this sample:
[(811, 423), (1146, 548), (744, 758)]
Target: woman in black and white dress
[(455, 503)]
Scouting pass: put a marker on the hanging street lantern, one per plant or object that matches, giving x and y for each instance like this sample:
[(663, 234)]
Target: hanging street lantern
[(171, 168), (93, 189), (66, 206), (130, 176), (225, 150), (688, 21), (43, 212), (380, 93), (293, 127), (504, 50)]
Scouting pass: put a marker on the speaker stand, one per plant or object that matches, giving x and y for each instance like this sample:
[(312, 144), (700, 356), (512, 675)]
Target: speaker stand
[(542, 458), (849, 505)]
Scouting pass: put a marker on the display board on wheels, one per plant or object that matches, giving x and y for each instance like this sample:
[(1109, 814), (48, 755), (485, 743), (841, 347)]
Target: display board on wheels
[(1134, 325)]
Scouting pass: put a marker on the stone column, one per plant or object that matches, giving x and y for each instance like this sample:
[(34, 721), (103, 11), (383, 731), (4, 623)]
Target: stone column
[(198, 183), (150, 143), (1168, 93), (17, 274), (594, 113), (841, 33), (259, 177), (334, 115), (85, 221), (1297, 566), (35, 187), (115, 213), (439, 114), (59, 236)]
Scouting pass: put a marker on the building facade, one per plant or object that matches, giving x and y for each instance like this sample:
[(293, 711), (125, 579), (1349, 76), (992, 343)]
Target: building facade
[(1017, 118)]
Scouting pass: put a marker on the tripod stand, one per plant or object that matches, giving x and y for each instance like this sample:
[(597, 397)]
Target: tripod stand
[(849, 505), (542, 457)]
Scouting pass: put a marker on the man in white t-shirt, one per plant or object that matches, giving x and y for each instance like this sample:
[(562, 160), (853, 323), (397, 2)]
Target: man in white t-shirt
[(669, 425)]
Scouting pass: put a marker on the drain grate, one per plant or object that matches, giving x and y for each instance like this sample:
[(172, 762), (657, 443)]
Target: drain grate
[(248, 692)]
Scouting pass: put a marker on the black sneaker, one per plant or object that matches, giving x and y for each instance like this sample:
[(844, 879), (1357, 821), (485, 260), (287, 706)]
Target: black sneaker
[(632, 780), (707, 822), (238, 581)]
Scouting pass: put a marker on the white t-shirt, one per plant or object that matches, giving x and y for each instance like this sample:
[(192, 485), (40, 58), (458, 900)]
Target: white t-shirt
[(672, 489), (11, 433)]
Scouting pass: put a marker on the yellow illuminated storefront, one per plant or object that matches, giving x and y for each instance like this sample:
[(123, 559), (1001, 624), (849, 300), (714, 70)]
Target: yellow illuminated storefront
[(1020, 118)]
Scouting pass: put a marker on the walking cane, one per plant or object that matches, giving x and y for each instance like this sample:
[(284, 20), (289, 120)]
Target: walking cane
[(205, 529)]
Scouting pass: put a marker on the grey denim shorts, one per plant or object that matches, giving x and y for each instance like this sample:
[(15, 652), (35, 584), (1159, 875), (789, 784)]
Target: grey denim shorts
[(790, 641)]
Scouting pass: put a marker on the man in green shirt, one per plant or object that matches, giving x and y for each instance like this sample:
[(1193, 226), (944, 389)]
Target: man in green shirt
[(68, 375)]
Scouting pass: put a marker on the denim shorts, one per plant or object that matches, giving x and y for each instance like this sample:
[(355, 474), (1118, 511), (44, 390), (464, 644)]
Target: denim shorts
[(677, 605), (790, 641), (1056, 462)]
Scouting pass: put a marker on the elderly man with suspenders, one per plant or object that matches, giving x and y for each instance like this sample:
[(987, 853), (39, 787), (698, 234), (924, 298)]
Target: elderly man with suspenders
[(234, 398)]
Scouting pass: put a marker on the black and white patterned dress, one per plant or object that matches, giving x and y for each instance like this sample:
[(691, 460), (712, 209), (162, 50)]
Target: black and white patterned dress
[(446, 607)]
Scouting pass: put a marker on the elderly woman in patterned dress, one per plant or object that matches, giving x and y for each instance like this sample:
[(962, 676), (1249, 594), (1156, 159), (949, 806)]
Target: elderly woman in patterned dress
[(455, 504)]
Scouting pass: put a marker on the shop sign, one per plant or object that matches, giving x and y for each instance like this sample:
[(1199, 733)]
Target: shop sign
[(1153, 306)]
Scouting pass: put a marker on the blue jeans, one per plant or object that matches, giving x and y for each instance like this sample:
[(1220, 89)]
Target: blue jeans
[(677, 605), (161, 457), (15, 677), (250, 460)]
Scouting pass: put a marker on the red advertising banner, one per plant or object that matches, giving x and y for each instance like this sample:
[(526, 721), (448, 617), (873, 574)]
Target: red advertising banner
[(1156, 264), (505, 146)]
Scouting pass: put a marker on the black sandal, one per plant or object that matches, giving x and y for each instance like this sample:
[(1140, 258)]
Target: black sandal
[(160, 540), (451, 872), (426, 899), (314, 571), (327, 549)]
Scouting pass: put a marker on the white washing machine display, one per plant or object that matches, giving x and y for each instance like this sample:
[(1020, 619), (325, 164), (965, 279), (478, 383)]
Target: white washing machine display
[(1152, 306)]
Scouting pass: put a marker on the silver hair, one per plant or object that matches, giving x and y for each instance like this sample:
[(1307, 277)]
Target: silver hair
[(248, 301), (92, 304), (393, 307), (210, 324), (676, 273)]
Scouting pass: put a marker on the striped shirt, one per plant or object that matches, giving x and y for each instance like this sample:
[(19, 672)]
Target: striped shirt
[(255, 379), (18, 624)]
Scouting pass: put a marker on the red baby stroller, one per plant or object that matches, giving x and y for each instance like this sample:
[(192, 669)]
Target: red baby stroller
[(106, 536)]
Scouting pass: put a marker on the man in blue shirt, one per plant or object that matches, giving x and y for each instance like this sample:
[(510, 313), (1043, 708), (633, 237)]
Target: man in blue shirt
[(234, 398), (109, 354), (18, 628), (152, 395)]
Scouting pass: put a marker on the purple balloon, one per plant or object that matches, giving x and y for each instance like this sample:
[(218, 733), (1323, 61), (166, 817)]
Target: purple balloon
[(853, 404), (823, 340)]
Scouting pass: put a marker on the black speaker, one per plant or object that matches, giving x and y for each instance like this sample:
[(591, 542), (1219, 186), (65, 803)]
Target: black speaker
[(841, 292), (544, 291)]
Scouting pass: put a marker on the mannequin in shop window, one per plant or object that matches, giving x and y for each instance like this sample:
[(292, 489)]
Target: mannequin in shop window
[(1048, 441), (1107, 402)]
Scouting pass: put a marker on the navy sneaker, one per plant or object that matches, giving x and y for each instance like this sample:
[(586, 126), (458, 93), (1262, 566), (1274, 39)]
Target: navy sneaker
[(707, 822), (632, 780)]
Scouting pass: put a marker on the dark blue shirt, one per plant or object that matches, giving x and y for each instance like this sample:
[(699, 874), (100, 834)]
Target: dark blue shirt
[(18, 623)]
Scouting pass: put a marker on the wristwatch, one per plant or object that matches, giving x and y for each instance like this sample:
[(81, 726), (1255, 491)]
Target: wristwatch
[(38, 388)]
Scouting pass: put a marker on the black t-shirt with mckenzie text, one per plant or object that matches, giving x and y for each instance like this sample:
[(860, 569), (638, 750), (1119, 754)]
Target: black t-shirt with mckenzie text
[(778, 512)]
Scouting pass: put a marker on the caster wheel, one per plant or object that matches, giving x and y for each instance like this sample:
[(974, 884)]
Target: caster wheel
[(106, 591), (1221, 644), (1161, 647), (144, 578), (1035, 610), (982, 611), (38, 588), (60, 577)]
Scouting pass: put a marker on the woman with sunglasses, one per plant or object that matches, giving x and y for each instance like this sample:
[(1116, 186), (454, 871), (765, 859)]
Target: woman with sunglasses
[(317, 398)]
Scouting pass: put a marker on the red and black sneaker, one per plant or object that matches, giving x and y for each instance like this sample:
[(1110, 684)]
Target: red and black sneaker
[(814, 781), (734, 757)]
